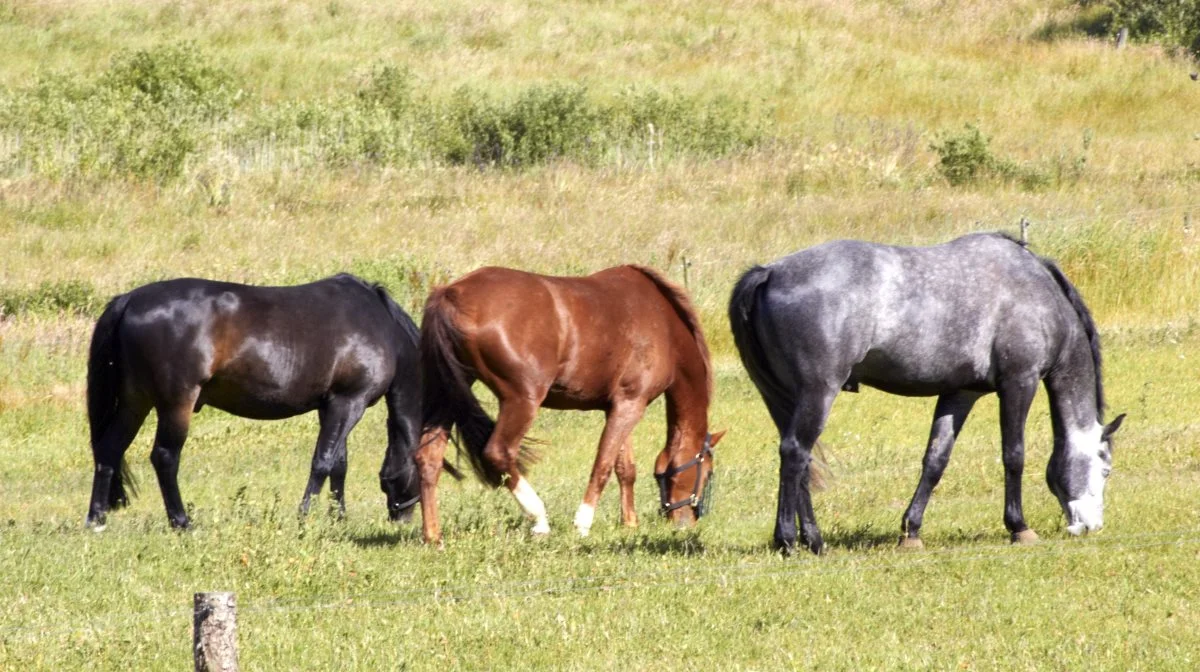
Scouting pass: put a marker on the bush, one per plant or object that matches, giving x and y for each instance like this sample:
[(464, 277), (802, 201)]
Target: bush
[(73, 296), (1171, 22), (142, 118), (965, 158), (152, 112)]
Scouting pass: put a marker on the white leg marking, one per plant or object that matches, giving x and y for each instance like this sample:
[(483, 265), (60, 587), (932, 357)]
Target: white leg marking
[(532, 505), (583, 519)]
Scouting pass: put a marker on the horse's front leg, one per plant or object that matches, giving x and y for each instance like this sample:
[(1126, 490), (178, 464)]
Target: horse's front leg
[(173, 423), (626, 475), (948, 418), (622, 418), (1015, 399), (337, 416), (429, 458)]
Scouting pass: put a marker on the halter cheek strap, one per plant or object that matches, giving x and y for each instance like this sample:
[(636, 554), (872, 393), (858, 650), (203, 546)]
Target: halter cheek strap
[(698, 463)]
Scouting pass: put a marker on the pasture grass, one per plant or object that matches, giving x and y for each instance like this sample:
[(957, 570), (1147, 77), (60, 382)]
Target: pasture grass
[(849, 102)]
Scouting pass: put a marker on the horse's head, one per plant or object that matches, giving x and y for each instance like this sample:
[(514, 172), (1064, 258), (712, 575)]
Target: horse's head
[(685, 489), (1077, 472), (398, 480)]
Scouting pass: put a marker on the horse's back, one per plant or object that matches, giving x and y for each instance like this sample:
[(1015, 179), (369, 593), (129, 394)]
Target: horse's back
[(921, 320), (579, 337), (260, 352)]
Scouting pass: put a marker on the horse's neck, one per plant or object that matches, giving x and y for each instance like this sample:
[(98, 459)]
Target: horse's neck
[(687, 408), (1073, 390)]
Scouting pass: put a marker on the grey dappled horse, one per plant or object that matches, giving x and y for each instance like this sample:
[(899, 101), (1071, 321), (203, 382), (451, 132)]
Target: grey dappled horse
[(975, 315)]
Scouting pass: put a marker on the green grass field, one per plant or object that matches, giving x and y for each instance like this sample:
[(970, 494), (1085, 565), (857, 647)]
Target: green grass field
[(844, 101)]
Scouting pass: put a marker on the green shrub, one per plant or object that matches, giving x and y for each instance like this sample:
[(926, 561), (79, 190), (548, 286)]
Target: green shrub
[(142, 118), (542, 124), (1171, 22), (965, 157), (72, 296)]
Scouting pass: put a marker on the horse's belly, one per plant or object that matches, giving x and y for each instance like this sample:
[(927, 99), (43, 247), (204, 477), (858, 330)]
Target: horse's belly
[(925, 378), (258, 404)]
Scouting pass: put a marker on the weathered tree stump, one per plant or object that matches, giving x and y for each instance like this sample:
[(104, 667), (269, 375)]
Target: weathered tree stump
[(214, 636)]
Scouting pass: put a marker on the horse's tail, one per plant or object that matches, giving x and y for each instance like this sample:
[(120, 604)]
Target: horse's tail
[(446, 382), (104, 392), (779, 397), (1089, 326)]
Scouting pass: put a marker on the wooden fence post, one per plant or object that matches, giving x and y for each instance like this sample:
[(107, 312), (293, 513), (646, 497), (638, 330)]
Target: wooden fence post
[(214, 635), (1122, 37)]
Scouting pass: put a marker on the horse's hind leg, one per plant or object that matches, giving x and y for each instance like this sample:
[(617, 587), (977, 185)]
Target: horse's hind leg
[(620, 423), (173, 423), (626, 474), (795, 463), (512, 423), (948, 418), (337, 416), (108, 490)]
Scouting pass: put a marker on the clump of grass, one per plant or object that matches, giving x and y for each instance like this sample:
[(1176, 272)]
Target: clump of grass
[(76, 297), (966, 158), (153, 111), (143, 117)]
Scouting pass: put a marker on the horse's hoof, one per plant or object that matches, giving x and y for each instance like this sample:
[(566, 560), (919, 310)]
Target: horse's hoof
[(97, 528), (541, 529), (1025, 537), (908, 543)]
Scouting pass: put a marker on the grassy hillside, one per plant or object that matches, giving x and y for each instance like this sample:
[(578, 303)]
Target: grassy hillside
[(411, 142)]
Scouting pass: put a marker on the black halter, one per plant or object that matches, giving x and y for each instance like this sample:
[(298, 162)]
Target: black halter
[(697, 499), (407, 503)]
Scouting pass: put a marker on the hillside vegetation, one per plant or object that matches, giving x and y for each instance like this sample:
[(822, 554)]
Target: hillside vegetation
[(411, 142)]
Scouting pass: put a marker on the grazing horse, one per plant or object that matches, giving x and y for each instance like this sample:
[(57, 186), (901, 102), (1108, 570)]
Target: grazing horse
[(335, 346), (611, 342), (976, 315)]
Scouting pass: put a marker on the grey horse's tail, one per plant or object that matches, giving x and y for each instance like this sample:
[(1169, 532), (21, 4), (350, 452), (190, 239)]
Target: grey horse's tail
[(779, 397)]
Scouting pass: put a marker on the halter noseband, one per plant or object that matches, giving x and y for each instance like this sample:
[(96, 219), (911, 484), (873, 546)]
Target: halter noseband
[(695, 500)]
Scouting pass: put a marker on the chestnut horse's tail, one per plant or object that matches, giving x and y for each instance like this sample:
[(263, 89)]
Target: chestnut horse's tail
[(778, 396), (104, 392), (447, 398)]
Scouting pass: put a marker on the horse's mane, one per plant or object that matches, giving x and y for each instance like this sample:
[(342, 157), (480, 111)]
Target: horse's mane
[(406, 323), (1085, 318), (686, 312)]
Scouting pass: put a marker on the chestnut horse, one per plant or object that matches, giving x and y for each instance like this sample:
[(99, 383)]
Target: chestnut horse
[(613, 342)]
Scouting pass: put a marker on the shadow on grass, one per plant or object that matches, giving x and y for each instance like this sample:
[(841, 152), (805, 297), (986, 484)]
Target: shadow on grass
[(406, 534), (684, 543)]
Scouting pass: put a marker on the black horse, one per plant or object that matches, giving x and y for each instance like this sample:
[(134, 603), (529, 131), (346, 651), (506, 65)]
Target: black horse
[(976, 315), (335, 346)]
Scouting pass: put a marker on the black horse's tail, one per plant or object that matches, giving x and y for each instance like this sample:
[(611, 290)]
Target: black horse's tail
[(778, 396), (446, 383), (103, 394)]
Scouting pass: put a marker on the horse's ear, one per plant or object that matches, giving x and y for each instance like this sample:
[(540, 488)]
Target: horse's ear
[(714, 438), (1112, 427)]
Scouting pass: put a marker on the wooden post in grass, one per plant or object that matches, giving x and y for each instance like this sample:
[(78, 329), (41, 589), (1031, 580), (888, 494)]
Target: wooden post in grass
[(1122, 37), (214, 635)]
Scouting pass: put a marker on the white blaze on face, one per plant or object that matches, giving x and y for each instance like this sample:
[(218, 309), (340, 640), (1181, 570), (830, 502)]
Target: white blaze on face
[(532, 505), (583, 519), (1090, 459)]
